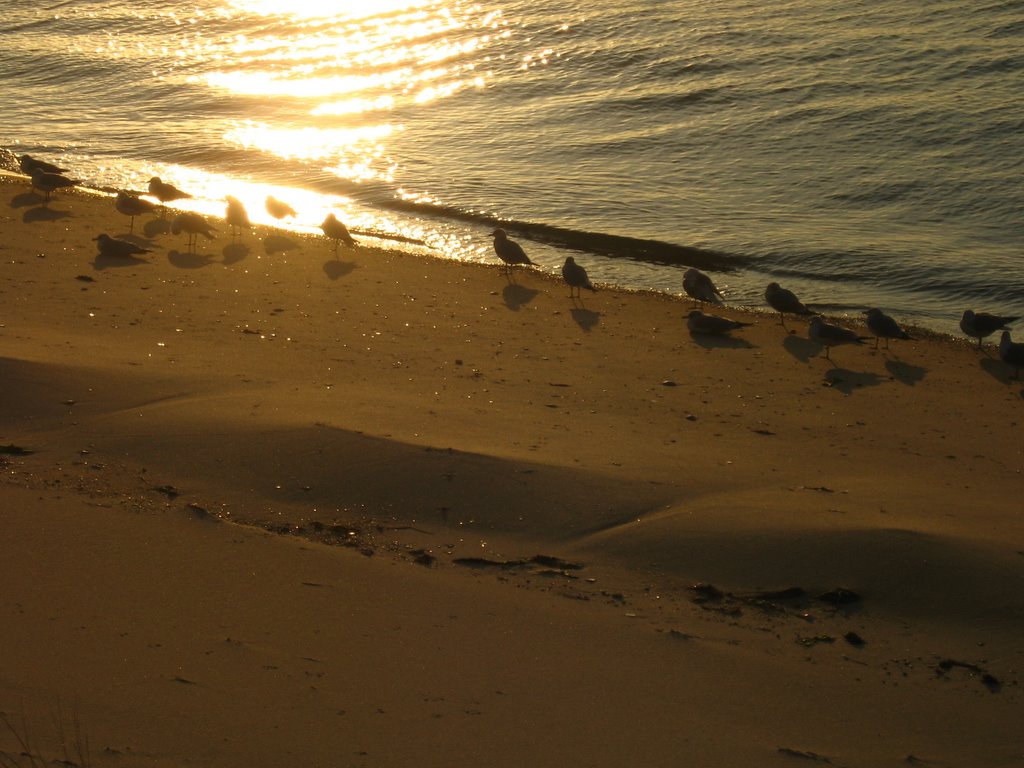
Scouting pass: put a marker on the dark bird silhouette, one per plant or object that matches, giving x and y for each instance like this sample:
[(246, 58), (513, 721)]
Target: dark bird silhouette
[(700, 287), (337, 232), (981, 324), (712, 325), (278, 208), (829, 335), (29, 165), (884, 327), (48, 182), (164, 192), (783, 300), (193, 225), (1011, 353), (509, 251), (236, 216), (576, 277), (132, 206), (113, 248)]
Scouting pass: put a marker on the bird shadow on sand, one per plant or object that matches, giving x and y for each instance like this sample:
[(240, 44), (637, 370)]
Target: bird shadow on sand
[(905, 373), (335, 268), (710, 342), (43, 213), (585, 318), (801, 348), (234, 253), (279, 244), (102, 262), (516, 296), (847, 381), (998, 370), (189, 260), (27, 200), (155, 227)]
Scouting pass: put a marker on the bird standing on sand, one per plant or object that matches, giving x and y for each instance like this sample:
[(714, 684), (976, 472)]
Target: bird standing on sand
[(131, 205), (712, 325), (29, 165), (337, 232), (193, 225), (883, 327), (576, 277), (48, 182), (509, 251), (700, 287), (829, 335), (278, 208), (982, 324), (113, 248), (164, 192), (1011, 353), (782, 301), (236, 216)]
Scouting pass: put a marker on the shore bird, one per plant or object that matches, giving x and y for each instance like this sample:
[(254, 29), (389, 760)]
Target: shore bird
[(29, 165), (48, 182), (236, 216), (509, 251), (978, 325), (114, 248), (883, 327), (278, 208), (829, 335), (132, 205), (337, 232), (712, 325), (576, 277), (193, 225), (1011, 353), (783, 300), (701, 288), (164, 192)]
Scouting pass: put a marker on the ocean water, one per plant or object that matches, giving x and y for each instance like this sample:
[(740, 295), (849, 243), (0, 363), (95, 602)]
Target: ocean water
[(869, 153)]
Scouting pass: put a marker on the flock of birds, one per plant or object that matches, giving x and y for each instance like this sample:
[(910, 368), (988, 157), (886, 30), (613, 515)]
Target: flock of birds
[(48, 178)]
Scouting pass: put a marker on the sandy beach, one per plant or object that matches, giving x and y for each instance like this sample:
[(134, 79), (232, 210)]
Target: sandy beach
[(263, 505)]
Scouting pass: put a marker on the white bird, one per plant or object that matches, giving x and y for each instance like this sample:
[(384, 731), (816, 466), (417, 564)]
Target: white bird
[(700, 287), (193, 225), (337, 232), (236, 216), (1011, 353), (49, 182), (884, 327), (829, 335), (783, 300), (164, 192), (982, 324), (278, 208), (113, 248), (29, 165), (576, 277), (509, 251), (712, 325), (131, 205)]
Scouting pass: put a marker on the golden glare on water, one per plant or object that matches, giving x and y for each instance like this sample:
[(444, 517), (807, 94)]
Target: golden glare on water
[(318, 9)]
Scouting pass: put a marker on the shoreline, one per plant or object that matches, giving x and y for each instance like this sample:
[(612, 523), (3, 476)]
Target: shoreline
[(400, 436)]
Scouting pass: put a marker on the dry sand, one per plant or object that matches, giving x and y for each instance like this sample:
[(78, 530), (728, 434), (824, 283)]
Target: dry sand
[(284, 509)]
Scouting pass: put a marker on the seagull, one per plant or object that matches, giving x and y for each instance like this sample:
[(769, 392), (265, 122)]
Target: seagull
[(983, 324), (884, 327), (829, 335), (236, 216), (712, 325), (114, 248), (576, 276), (782, 301), (699, 286), (165, 192), (29, 165), (509, 251), (278, 208), (48, 182), (1011, 353), (337, 231), (133, 206), (193, 225)]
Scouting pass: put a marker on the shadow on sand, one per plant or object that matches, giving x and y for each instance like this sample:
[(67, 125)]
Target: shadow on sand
[(234, 253), (189, 260), (803, 349), (846, 381), (905, 373), (516, 296), (43, 213), (102, 262), (336, 268), (710, 342), (279, 244), (585, 318)]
